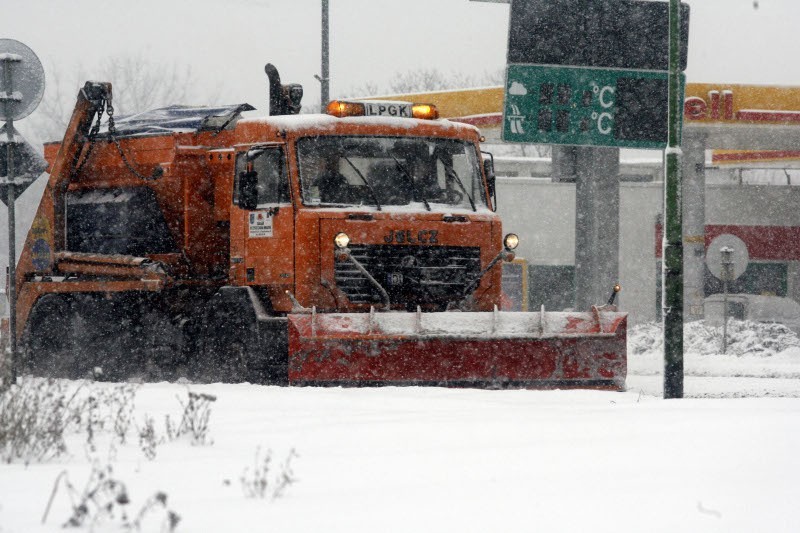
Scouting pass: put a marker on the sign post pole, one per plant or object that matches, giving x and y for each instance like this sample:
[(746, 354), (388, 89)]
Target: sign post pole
[(727, 276), (21, 89), (673, 224), (12, 259), (324, 78), (12, 252)]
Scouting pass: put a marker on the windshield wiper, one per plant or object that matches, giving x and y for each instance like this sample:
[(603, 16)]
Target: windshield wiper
[(360, 175), (402, 167), (452, 173)]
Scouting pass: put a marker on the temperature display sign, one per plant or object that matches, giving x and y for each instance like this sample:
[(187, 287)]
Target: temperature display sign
[(585, 106)]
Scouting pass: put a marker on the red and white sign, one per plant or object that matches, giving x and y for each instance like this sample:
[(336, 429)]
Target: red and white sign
[(260, 224)]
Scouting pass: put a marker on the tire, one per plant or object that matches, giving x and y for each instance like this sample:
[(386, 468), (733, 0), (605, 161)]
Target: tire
[(238, 346), (107, 338), (225, 354), (50, 343)]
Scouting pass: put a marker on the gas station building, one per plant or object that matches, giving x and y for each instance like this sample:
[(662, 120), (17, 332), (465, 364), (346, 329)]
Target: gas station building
[(741, 177)]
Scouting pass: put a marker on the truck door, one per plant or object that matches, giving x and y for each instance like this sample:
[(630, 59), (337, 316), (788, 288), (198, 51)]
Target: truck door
[(262, 222)]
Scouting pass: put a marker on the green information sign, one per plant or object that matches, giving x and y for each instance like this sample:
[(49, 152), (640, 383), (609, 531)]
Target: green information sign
[(585, 106)]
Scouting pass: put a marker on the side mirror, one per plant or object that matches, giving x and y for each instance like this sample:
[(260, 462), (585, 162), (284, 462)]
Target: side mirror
[(248, 190), (491, 178), (292, 96)]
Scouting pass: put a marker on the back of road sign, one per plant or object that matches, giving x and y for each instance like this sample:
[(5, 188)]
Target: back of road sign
[(26, 78), (27, 164), (627, 34), (589, 72)]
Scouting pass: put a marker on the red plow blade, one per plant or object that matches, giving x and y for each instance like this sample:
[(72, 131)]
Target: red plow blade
[(491, 350)]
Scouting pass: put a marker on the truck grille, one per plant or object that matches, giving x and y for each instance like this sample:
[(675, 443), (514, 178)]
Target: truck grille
[(412, 275)]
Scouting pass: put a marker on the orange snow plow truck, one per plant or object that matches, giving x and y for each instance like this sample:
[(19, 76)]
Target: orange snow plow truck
[(357, 247)]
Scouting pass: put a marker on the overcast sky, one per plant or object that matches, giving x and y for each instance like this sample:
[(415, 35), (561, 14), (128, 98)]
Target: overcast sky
[(228, 42)]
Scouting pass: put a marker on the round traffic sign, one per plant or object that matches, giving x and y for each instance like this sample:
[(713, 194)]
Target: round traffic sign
[(26, 79), (739, 256)]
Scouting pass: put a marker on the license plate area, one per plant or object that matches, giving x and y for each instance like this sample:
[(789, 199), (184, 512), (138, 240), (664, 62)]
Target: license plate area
[(387, 109)]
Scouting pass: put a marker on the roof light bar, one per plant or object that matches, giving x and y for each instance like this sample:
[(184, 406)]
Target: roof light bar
[(425, 111), (339, 108), (344, 108)]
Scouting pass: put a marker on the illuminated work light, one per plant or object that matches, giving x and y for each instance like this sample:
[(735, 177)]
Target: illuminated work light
[(341, 109), (341, 240), (511, 241), (382, 108), (425, 111)]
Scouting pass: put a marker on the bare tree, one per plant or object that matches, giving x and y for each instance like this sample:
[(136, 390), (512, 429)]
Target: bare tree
[(49, 120), (421, 80), (425, 80), (139, 83)]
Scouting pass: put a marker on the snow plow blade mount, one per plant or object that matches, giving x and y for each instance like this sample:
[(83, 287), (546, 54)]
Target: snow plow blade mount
[(489, 350)]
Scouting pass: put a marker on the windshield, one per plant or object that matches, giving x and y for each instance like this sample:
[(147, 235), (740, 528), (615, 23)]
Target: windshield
[(437, 174)]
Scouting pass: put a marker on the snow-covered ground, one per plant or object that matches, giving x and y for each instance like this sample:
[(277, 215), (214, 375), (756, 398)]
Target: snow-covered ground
[(762, 360), (432, 459)]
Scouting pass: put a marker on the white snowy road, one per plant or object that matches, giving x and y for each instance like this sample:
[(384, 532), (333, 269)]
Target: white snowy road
[(430, 459), (720, 386), (724, 459)]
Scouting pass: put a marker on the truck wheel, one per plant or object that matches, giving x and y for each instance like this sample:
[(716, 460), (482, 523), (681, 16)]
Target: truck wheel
[(225, 354), (49, 344), (162, 345), (241, 343)]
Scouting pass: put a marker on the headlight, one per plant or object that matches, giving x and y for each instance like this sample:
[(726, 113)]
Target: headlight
[(341, 240), (511, 241)]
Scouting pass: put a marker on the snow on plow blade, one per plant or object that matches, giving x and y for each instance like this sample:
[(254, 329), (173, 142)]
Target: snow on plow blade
[(492, 350)]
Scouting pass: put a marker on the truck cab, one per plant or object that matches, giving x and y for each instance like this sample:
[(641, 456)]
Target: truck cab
[(347, 211)]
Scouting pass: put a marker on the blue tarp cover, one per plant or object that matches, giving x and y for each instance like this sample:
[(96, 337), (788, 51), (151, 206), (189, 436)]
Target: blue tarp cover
[(177, 118)]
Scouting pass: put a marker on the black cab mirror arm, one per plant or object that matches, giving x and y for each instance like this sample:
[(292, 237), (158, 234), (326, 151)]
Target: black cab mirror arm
[(248, 190), (491, 178)]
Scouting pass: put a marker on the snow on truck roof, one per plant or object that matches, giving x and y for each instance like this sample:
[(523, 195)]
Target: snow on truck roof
[(188, 119), (323, 121)]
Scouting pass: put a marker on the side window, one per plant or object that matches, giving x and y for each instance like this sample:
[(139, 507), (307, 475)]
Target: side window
[(463, 164), (269, 166)]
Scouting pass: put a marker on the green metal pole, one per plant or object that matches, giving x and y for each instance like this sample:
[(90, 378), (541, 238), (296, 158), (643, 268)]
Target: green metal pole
[(672, 300)]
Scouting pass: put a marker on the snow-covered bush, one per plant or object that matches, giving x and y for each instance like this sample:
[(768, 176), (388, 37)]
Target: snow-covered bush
[(744, 338), (34, 415), (193, 423), (257, 483), (148, 440), (759, 338), (104, 501), (196, 413)]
